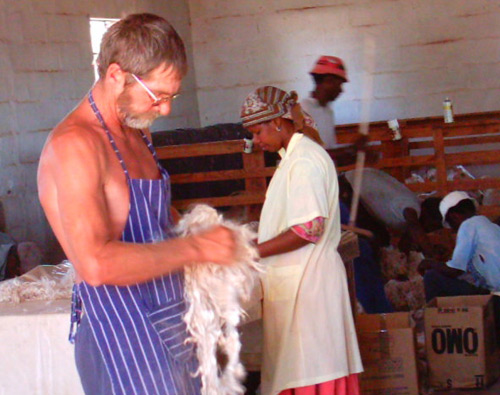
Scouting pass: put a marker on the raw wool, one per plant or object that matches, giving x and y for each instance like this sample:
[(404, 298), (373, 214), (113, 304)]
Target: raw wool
[(394, 263), (214, 294), (491, 197), (405, 288), (414, 259), (40, 283), (406, 295)]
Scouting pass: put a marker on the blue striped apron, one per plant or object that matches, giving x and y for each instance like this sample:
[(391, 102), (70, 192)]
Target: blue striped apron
[(139, 329)]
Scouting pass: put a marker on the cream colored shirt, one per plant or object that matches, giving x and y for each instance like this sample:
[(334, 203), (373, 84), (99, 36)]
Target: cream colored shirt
[(324, 118), (309, 334)]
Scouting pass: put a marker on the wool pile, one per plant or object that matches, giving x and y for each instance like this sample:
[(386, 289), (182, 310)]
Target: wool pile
[(44, 282), (406, 295), (214, 294), (405, 286)]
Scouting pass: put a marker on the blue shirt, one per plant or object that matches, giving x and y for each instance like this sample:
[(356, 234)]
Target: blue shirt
[(477, 252)]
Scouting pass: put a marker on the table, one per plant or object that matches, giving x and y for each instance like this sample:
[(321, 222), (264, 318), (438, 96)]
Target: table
[(35, 354)]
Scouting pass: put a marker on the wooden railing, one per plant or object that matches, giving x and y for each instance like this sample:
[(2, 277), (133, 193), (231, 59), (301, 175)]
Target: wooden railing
[(254, 173), (477, 136), (429, 135)]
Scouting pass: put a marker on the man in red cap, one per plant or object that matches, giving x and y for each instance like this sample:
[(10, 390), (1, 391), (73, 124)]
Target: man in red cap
[(329, 74)]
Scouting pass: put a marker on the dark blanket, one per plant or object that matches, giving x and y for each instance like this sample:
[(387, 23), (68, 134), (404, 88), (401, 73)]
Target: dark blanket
[(220, 132)]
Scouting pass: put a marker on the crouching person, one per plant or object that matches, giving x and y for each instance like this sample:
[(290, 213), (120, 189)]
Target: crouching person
[(475, 265)]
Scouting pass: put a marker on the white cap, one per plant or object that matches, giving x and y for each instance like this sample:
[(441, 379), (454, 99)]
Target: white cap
[(451, 200)]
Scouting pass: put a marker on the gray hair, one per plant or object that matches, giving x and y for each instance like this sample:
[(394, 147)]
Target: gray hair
[(140, 43)]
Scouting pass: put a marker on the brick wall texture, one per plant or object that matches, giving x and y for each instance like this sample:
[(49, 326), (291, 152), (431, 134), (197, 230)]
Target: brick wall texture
[(424, 50)]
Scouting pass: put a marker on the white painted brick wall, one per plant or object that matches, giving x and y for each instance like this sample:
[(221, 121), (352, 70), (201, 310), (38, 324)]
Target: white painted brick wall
[(45, 69), (425, 50), (8, 121), (12, 180), (73, 56), (483, 76), (34, 32), (13, 24), (44, 7), (9, 150), (30, 150), (14, 208), (38, 85)]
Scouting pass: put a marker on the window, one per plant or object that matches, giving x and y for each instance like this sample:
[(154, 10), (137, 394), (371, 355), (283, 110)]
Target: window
[(98, 27)]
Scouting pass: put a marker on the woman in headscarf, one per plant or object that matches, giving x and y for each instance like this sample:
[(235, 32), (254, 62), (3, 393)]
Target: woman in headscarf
[(310, 344)]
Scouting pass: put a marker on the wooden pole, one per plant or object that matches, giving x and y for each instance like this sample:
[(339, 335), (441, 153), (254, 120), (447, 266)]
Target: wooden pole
[(369, 64)]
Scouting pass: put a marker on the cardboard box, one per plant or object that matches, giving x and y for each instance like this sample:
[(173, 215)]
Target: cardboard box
[(460, 342), (387, 345)]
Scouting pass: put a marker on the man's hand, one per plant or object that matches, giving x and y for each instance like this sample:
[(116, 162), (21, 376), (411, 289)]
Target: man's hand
[(361, 144), (217, 245), (442, 268)]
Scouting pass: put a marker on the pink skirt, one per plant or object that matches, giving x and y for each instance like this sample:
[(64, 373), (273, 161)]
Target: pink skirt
[(348, 385)]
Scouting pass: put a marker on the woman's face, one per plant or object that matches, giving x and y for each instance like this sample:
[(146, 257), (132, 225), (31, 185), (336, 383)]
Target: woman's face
[(266, 136)]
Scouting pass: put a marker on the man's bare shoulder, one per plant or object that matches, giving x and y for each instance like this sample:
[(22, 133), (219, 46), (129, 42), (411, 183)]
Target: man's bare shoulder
[(74, 135), (74, 152)]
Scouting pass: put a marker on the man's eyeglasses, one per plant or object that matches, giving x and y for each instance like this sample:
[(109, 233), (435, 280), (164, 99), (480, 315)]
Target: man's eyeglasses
[(156, 100)]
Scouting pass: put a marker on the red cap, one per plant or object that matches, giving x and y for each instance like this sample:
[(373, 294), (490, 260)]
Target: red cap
[(330, 65)]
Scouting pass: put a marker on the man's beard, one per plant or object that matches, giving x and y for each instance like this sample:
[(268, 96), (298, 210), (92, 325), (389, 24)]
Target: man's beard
[(139, 121), (133, 119)]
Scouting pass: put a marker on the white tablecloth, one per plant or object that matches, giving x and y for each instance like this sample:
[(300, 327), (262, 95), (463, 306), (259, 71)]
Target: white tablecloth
[(35, 355)]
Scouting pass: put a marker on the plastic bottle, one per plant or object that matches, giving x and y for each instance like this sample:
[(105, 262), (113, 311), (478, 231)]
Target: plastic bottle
[(448, 111), (396, 132), (247, 145)]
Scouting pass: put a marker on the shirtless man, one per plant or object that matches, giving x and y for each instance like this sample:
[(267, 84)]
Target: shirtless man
[(108, 202)]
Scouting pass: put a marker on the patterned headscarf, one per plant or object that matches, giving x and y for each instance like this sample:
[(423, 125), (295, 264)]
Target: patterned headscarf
[(269, 102)]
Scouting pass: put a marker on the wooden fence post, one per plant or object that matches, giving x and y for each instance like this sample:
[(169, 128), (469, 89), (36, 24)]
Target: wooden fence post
[(397, 149), (251, 162), (441, 177)]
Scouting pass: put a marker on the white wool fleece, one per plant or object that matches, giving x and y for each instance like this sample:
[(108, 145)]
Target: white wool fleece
[(214, 294)]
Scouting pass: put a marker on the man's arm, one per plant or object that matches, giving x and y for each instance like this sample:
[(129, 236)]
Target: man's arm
[(72, 172), (346, 156), (428, 264), (465, 246), (416, 233), (462, 254)]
